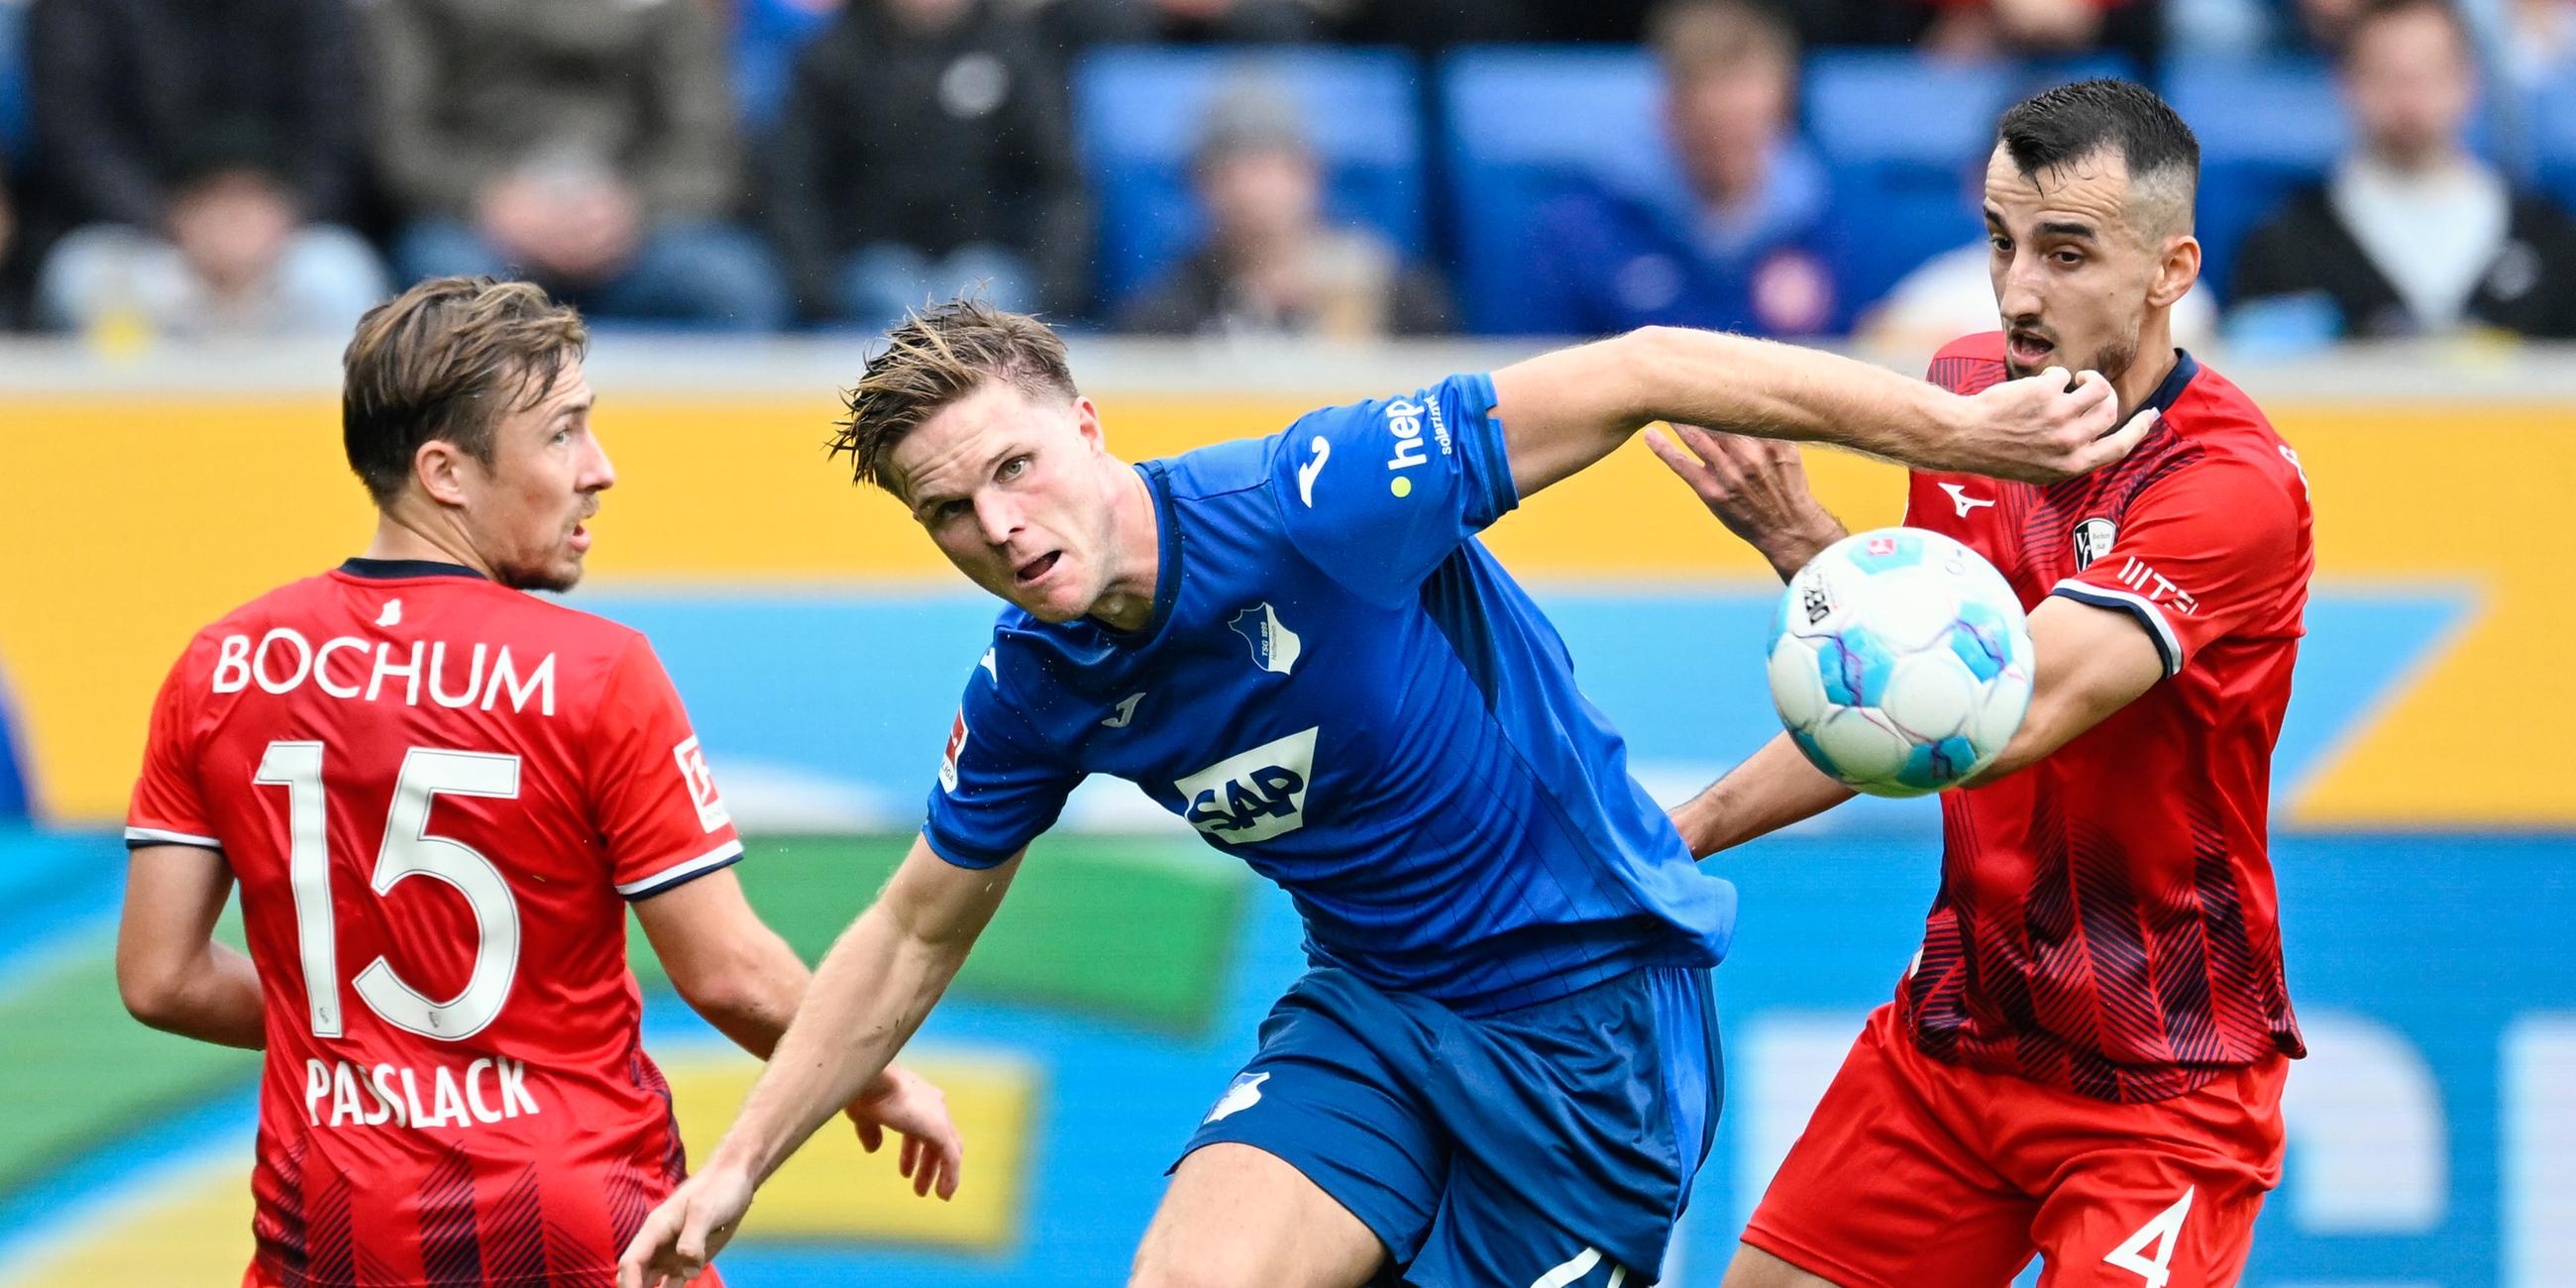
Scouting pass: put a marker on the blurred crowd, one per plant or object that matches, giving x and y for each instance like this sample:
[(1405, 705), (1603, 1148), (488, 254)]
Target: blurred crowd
[(268, 167)]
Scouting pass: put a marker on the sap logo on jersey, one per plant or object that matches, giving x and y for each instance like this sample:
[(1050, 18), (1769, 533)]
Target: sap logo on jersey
[(1253, 796), (701, 783)]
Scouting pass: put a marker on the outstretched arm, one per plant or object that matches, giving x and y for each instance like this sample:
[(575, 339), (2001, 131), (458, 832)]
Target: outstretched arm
[(2092, 662), (1562, 411), (169, 969), (737, 974), (1770, 791), (872, 991)]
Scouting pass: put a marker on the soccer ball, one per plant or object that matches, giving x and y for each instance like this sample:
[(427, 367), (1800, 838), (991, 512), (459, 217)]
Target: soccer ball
[(1900, 661)]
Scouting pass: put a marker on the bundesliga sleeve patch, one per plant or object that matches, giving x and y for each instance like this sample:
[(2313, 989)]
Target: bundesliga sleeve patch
[(948, 761), (701, 784)]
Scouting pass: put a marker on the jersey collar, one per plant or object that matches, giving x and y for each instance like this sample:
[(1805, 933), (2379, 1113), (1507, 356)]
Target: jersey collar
[(2185, 367), (404, 569), (1167, 571)]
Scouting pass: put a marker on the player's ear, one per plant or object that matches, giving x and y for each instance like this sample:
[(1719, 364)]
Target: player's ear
[(438, 467), (1086, 422), (2177, 267)]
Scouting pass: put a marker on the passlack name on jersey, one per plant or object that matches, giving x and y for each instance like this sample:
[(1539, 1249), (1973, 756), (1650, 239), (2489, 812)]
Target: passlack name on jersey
[(490, 1090)]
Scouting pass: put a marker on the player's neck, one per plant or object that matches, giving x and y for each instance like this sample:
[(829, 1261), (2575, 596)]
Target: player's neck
[(1128, 602), (2154, 362), (397, 538)]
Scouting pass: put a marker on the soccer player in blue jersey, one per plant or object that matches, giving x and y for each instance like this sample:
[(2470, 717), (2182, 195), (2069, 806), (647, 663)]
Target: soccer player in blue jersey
[(1502, 1066)]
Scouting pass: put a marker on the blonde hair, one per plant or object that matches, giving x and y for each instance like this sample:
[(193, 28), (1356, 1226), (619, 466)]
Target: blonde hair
[(936, 357), (446, 360)]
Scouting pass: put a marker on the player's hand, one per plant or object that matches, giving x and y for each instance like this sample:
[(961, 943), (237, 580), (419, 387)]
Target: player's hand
[(2040, 429), (680, 1237), (1757, 487), (933, 1155)]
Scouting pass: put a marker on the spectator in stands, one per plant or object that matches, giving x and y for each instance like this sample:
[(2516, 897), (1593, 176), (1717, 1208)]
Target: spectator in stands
[(1731, 230), (1270, 264), (588, 145), (925, 151), (2412, 234), (1080, 24), (202, 154)]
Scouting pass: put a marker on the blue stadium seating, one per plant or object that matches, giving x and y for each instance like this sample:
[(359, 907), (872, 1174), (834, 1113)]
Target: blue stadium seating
[(767, 37), (2553, 128), (2264, 127), (1907, 139), (1523, 124), (1138, 115), (14, 141)]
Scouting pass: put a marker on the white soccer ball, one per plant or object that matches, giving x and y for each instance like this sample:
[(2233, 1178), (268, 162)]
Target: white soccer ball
[(1900, 661)]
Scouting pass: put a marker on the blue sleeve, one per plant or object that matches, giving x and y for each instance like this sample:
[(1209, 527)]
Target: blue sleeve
[(1000, 784), (1378, 493)]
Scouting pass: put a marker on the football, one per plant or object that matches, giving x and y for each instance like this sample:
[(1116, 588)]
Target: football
[(1900, 661)]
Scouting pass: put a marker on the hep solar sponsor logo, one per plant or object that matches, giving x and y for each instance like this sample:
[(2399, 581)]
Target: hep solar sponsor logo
[(1407, 420), (1253, 795)]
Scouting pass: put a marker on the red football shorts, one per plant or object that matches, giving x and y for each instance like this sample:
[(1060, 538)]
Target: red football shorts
[(1918, 1174), (255, 1277)]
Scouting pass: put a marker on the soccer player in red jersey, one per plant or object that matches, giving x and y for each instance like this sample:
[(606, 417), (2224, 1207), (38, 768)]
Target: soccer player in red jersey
[(440, 796), (2085, 1061)]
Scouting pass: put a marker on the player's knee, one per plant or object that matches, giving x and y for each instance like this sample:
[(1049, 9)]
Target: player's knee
[(1204, 1275), (1167, 1264)]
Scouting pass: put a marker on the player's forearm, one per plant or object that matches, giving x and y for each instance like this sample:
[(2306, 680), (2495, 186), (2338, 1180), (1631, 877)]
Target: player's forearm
[(1772, 390), (872, 991), (1773, 789), (212, 997)]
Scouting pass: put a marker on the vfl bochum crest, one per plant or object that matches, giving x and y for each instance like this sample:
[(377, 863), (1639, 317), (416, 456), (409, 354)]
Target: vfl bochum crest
[(1274, 646), (2093, 539)]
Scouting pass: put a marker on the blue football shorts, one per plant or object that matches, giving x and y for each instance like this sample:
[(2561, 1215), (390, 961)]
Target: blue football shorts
[(1552, 1145)]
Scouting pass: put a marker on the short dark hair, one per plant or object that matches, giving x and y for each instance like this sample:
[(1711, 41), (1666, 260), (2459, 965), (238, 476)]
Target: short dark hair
[(2370, 13), (936, 357), (447, 360), (2059, 125)]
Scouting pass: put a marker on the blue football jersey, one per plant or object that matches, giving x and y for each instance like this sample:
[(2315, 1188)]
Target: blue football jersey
[(1341, 686)]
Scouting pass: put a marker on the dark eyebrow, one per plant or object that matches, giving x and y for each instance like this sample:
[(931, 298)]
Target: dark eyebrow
[(2080, 232)]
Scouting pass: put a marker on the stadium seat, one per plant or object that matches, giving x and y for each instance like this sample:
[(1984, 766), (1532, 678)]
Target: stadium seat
[(1906, 138), (2553, 143), (1522, 124), (14, 142), (1137, 117), (2265, 128), (767, 37)]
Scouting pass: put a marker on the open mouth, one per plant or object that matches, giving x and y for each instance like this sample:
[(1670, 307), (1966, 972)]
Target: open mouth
[(2028, 351), (1035, 570)]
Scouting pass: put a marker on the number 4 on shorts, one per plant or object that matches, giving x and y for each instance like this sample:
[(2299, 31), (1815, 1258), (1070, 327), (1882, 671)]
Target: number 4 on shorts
[(2161, 1234)]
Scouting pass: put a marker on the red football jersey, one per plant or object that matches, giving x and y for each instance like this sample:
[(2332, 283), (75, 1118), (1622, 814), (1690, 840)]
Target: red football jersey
[(438, 795), (2107, 921)]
